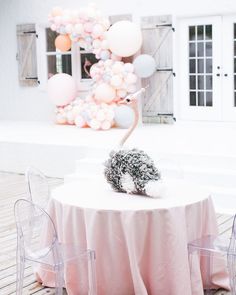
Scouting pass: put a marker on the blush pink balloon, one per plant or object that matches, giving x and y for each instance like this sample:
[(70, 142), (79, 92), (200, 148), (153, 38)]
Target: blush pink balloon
[(61, 89)]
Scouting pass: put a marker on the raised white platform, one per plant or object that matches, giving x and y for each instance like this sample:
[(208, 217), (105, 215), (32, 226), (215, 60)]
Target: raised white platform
[(201, 152)]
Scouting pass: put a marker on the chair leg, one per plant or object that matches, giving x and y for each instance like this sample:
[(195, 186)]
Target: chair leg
[(59, 280), (232, 272), (208, 261), (20, 268), (92, 274)]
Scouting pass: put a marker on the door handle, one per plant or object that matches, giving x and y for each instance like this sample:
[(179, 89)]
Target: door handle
[(218, 75), (226, 75)]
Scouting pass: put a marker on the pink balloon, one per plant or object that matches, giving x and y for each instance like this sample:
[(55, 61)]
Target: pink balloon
[(61, 89)]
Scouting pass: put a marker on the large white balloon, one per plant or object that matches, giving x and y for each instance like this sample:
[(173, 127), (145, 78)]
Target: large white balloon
[(124, 38), (61, 89), (144, 65), (124, 116)]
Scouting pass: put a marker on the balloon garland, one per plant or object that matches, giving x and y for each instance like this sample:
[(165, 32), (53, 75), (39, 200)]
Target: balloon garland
[(112, 79)]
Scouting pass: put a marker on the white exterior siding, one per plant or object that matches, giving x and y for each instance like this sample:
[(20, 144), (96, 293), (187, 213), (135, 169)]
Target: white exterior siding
[(19, 103)]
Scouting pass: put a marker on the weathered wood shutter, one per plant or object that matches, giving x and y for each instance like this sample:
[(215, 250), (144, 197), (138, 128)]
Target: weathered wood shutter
[(27, 55), (158, 41)]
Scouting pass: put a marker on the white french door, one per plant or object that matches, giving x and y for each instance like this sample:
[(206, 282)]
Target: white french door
[(207, 68), (229, 68)]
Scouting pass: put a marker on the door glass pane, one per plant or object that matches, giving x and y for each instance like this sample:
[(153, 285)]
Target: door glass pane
[(201, 98), (200, 30), (192, 81), (208, 32), (192, 66), (209, 65), (200, 49), (192, 49), (209, 82), (208, 48), (209, 101), (193, 100), (200, 82), (200, 66), (192, 34)]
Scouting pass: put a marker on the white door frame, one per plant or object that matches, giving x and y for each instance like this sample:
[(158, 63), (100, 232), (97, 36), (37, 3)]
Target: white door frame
[(228, 108), (188, 112)]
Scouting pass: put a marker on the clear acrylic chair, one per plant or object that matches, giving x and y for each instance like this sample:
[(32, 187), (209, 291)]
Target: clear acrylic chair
[(38, 186), (58, 260), (212, 248)]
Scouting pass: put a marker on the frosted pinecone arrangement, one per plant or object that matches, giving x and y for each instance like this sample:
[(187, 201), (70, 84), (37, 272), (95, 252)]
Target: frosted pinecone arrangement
[(130, 171)]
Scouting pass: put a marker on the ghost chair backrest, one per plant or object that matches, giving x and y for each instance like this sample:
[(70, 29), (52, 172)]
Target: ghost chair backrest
[(31, 221), (38, 186)]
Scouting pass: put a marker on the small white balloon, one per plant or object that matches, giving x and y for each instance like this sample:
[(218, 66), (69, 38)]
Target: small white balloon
[(80, 122), (144, 65), (60, 119), (116, 81), (106, 125), (121, 93), (70, 117), (131, 88), (131, 78), (79, 29), (100, 116), (124, 116), (104, 44), (69, 28), (128, 67), (117, 68), (95, 124)]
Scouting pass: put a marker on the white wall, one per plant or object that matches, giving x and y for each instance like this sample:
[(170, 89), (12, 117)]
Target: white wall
[(25, 103)]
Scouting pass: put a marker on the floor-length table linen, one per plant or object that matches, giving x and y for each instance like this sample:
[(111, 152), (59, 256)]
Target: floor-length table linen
[(140, 242)]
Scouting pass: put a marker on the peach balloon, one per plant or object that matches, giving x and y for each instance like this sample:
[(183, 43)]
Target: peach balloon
[(105, 93), (63, 43), (57, 11)]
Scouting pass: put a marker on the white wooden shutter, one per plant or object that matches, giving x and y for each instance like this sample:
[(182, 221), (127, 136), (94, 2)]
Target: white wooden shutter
[(158, 41), (27, 55)]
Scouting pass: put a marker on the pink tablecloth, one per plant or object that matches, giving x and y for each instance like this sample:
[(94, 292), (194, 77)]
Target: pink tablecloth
[(140, 243)]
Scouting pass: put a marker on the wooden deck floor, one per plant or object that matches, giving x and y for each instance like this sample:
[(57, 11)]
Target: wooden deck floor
[(13, 187)]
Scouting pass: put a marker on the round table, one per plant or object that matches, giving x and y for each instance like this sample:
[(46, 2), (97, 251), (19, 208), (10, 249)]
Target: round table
[(140, 242)]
